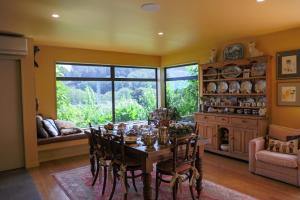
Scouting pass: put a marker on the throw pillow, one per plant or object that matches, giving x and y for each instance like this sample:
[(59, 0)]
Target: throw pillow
[(293, 137), (50, 127), (61, 124), (289, 147), (41, 132), (69, 131)]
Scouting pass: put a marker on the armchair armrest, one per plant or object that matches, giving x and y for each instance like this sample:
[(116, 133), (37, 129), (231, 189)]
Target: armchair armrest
[(255, 145), (298, 167)]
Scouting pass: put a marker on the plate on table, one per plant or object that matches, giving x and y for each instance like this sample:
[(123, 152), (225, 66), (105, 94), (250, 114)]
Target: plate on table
[(234, 87), (232, 71), (246, 87), (260, 86), (211, 74), (258, 69), (130, 139), (211, 87), (222, 87)]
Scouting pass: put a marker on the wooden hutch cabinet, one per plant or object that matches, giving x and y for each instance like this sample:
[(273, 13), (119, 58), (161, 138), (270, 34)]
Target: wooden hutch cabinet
[(235, 95)]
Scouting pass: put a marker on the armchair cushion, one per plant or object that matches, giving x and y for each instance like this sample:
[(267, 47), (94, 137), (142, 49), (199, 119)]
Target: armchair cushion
[(279, 159)]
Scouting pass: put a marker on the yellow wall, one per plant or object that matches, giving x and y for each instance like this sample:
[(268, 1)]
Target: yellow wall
[(48, 56), (29, 111), (270, 44)]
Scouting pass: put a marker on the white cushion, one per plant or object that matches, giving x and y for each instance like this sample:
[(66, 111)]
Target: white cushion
[(279, 159)]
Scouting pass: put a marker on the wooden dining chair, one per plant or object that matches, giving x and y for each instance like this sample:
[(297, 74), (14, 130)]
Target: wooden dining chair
[(121, 165), (181, 167), (101, 154)]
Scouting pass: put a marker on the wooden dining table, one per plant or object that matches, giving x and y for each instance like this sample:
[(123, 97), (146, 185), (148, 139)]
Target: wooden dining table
[(151, 155)]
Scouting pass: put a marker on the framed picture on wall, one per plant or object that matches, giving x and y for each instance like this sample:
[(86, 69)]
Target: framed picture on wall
[(288, 93), (288, 64)]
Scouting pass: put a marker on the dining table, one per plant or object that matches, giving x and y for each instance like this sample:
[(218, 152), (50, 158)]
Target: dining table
[(149, 155)]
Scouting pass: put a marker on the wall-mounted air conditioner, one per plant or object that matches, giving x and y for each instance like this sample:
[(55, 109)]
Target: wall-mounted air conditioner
[(11, 45)]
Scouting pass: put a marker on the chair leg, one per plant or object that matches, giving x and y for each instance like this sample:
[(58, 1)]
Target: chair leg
[(126, 180), (114, 185), (126, 185), (133, 180), (104, 181), (156, 185), (191, 187), (97, 172), (174, 190)]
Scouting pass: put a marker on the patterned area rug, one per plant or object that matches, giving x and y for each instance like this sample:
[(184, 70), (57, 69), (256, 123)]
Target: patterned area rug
[(77, 185)]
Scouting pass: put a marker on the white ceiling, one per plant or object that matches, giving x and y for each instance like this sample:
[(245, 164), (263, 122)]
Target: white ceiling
[(121, 25)]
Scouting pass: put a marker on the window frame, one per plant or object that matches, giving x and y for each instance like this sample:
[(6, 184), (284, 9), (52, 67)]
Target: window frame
[(112, 78), (182, 78)]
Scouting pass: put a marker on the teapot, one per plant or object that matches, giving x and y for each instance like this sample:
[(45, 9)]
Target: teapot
[(262, 111)]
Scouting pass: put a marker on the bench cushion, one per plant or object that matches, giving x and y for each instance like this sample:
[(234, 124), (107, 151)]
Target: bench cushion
[(76, 136)]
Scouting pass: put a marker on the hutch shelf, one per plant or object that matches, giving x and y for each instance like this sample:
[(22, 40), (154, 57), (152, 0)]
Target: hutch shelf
[(235, 104)]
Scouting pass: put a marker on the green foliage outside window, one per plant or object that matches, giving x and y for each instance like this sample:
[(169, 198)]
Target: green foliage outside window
[(85, 102), (183, 94)]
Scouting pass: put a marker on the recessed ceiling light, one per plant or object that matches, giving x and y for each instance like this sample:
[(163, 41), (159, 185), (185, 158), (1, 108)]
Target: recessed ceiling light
[(54, 15), (150, 7), (160, 33), (260, 1)]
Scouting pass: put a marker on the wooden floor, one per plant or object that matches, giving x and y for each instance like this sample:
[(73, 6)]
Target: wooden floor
[(224, 171)]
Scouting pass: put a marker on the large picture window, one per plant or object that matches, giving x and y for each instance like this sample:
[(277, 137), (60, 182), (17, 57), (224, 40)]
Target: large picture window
[(181, 83), (100, 94)]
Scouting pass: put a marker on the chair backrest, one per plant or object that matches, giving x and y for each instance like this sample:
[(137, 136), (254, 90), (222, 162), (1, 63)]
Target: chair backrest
[(281, 132), (121, 139), (94, 138), (189, 147)]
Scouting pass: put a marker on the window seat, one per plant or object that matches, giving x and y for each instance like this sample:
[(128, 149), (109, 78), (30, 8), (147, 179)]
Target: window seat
[(76, 136), (59, 147)]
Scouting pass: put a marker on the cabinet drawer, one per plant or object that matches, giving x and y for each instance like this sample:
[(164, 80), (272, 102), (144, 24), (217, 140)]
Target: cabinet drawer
[(250, 123), (199, 118), (209, 118), (204, 118), (222, 119)]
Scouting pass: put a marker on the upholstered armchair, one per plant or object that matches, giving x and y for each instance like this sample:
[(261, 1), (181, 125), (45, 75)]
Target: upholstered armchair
[(283, 167)]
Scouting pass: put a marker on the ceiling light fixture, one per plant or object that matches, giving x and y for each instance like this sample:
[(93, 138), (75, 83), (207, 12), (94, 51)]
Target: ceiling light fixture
[(150, 7), (54, 15), (260, 1), (160, 33)]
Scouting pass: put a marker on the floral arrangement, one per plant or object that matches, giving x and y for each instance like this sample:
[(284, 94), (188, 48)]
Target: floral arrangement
[(164, 114), (109, 126), (180, 129)]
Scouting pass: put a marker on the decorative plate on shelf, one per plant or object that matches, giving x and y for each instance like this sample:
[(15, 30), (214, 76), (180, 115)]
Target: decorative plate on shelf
[(250, 100), (234, 87), (234, 52), (232, 71), (211, 87), (211, 74), (222, 87), (260, 86), (258, 69), (246, 87)]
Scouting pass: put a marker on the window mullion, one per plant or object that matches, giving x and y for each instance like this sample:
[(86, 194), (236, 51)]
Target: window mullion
[(113, 94)]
